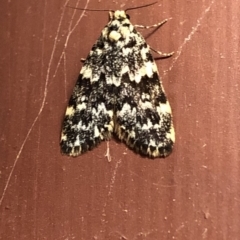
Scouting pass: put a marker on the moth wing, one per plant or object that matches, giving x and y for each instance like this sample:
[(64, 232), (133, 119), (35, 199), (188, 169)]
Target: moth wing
[(89, 115), (143, 117)]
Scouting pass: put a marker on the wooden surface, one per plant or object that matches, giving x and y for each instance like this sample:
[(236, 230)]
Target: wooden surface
[(192, 194)]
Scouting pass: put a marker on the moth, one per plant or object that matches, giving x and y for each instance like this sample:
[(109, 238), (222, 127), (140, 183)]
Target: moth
[(119, 92)]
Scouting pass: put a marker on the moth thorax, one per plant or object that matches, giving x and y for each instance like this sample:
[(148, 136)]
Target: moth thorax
[(121, 25)]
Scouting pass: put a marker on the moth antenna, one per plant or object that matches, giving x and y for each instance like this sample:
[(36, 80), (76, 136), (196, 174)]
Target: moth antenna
[(107, 10), (143, 6), (91, 10)]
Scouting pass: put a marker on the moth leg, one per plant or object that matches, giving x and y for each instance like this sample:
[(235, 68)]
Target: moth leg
[(157, 25), (154, 25), (83, 60), (162, 54)]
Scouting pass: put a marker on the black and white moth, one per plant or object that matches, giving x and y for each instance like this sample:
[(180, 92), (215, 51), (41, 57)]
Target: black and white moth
[(119, 91)]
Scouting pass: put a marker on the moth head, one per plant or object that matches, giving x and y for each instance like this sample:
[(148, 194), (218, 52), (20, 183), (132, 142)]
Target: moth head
[(118, 15)]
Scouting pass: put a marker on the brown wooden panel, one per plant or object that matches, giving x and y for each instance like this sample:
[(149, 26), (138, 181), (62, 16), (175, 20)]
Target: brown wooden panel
[(193, 194)]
